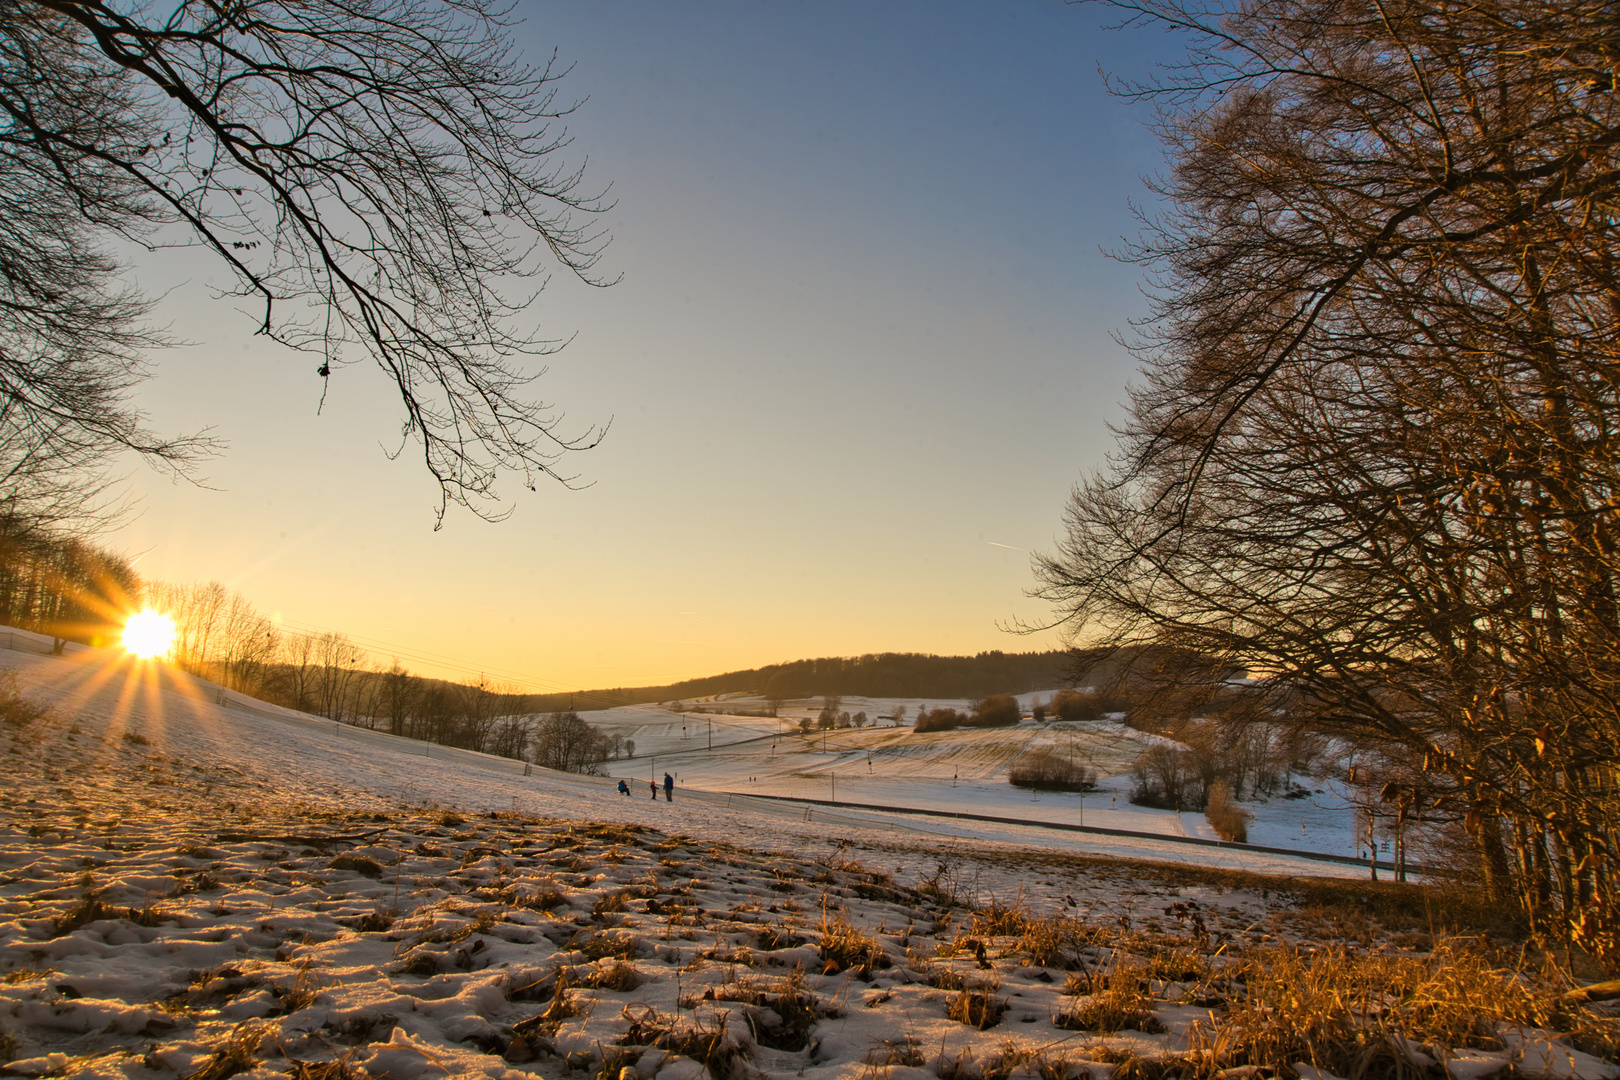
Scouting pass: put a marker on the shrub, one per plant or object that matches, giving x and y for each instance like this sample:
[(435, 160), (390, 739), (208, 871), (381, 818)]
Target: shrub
[(1045, 771), (1230, 821), (939, 720), (16, 712), (1074, 705), (997, 710)]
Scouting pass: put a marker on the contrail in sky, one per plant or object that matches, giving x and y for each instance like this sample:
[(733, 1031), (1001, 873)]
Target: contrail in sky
[(1009, 547)]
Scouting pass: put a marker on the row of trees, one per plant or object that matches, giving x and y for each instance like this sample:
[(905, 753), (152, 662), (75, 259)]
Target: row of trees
[(221, 636), (1373, 459)]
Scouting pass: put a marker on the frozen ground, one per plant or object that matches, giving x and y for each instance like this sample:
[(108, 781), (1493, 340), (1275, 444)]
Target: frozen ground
[(197, 889)]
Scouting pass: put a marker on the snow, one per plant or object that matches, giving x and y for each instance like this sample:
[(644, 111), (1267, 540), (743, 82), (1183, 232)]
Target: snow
[(189, 880)]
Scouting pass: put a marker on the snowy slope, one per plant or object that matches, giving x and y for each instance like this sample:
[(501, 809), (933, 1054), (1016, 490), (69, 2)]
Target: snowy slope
[(197, 889)]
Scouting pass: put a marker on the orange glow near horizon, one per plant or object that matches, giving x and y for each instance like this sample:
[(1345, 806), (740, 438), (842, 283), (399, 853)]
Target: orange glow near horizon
[(149, 634)]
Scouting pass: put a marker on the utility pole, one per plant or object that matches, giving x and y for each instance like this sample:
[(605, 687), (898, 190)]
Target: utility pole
[(834, 777), (711, 733)]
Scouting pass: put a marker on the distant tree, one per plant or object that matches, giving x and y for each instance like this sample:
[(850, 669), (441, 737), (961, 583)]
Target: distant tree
[(997, 710), (859, 719), (899, 716), (1037, 710), (1073, 705), (565, 742), (805, 724), (939, 720), (399, 693)]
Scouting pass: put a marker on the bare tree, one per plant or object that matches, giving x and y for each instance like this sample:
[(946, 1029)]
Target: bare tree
[(1373, 457), (375, 175), (566, 742)]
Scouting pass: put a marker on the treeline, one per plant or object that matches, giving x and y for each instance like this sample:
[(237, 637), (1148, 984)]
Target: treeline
[(60, 585), (77, 592), (893, 675)]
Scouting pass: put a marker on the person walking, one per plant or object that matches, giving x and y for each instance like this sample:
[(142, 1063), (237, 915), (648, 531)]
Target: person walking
[(669, 788)]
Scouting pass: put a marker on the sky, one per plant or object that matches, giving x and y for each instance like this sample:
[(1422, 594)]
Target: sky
[(863, 345)]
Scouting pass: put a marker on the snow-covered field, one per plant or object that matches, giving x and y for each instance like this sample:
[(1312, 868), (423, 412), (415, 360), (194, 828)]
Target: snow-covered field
[(197, 889), (950, 771)]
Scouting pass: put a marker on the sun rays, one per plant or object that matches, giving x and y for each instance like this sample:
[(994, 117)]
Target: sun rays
[(149, 634)]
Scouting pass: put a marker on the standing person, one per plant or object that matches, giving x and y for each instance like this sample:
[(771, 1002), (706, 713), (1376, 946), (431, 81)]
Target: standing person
[(624, 788), (669, 788), (654, 785)]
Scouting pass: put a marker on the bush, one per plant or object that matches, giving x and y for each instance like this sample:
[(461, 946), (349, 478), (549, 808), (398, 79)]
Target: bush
[(1045, 771), (16, 711), (1230, 821), (1074, 705), (997, 710), (939, 720)]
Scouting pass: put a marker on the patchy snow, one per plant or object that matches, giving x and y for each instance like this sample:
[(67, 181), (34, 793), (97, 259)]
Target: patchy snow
[(196, 888)]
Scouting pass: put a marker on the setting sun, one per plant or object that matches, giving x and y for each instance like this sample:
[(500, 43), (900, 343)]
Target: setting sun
[(148, 634)]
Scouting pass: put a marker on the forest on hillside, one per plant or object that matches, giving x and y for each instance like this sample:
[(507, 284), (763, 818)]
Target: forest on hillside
[(906, 675)]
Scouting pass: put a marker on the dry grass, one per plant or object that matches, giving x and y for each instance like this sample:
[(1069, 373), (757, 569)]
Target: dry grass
[(542, 895), (301, 994), (849, 947), (618, 977), (1350, 1012), (234, 1055), (340, 1069), (977, 1005), (709, 1045), (1120, 1002), (793, 1010), (16, 711), (359, 864)]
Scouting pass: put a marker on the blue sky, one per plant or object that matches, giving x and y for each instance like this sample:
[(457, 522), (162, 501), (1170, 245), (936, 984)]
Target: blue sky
[(861, 348)]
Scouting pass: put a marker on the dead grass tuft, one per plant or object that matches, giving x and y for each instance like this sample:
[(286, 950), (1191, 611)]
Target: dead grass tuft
[(16, 711), (234, 1055), (605, 946), (542, 896), (978, 1006), (339, 1069), (904, 1051), (1120, 1003), (848, 946), (708, 1044), (375, 923), (793, 1010), (88, 910), (618, 976), (360, 864)]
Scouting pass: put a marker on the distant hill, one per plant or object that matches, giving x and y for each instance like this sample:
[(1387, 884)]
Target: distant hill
[(901, 675)]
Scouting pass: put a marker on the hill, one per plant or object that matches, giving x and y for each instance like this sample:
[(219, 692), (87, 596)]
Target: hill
[(894, 675)]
